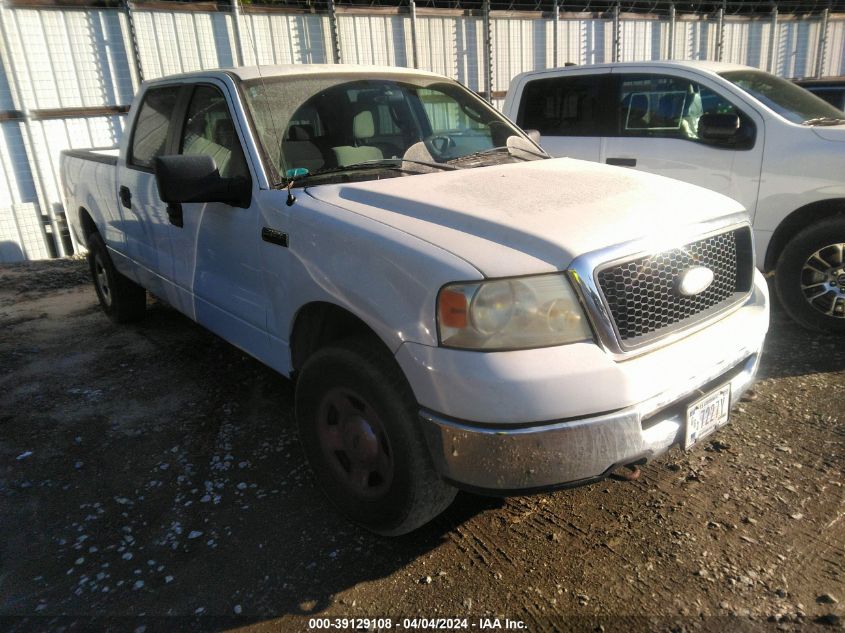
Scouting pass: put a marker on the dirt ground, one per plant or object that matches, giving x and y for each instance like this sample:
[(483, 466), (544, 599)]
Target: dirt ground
[(151, 480)]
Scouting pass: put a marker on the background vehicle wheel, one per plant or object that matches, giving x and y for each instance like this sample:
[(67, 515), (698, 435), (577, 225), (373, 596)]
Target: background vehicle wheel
[(358, 426), (121, 298), (810, 276)]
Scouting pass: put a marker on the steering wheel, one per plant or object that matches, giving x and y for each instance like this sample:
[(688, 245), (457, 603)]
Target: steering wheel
[(440, 143)]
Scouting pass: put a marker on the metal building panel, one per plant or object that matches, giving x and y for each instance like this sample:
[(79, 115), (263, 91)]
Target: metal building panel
[(28, 53), (695, 39), (452, 46), (834, 59), (24, 221), (273, 38), (643, 40), (520, 45), (573, 41), (747, 42), (374, 40), (796, 45)]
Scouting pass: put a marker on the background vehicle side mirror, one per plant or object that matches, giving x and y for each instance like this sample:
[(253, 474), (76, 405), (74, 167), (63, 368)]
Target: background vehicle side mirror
[(196, 179), (718, 127)]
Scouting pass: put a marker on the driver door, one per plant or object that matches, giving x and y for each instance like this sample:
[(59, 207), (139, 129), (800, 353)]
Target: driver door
[(216, 250), (656, 131)]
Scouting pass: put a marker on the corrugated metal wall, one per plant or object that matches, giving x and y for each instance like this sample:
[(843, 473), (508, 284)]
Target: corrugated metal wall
[(54, 59)]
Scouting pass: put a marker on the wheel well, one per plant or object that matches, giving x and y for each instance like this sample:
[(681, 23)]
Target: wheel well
[(796, 221), (319, 324), (87, 223)]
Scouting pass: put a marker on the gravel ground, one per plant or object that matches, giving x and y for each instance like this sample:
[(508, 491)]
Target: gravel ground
[(151, 480)]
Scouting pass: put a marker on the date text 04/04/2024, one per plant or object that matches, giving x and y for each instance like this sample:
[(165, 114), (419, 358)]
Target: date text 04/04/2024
[(445, 624)]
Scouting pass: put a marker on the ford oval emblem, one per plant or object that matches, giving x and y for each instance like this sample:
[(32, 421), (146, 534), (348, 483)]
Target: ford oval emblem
[(694, 281)]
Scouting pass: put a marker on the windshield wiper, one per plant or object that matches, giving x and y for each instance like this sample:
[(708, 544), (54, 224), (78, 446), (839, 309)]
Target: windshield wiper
[(824, 120), (496, 150), (394, 164)]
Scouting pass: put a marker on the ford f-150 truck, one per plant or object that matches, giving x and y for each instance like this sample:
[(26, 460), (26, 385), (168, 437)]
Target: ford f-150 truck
[(760, 139), (457, 309)]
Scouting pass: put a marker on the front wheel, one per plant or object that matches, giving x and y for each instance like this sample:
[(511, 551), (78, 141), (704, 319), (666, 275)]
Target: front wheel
[(810, 276), (121, 298), (358, 424)]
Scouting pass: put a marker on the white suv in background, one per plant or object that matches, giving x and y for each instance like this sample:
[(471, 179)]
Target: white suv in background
[(772, 146)]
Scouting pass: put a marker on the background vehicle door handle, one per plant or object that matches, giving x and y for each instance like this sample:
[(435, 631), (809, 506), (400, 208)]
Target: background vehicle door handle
[(125, 197), (622, 162)]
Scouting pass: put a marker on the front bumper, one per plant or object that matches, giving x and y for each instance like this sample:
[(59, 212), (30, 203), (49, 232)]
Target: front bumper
[(506, 453), (572, 451)]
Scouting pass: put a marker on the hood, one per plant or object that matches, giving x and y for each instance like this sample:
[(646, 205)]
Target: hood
[(830, 132), (531, 217)]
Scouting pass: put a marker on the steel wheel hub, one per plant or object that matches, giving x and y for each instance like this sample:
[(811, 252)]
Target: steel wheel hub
[(102, 280), (354, 443), (823, 280)]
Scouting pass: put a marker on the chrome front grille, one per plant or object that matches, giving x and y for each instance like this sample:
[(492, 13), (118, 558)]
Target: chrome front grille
[(642, 294)]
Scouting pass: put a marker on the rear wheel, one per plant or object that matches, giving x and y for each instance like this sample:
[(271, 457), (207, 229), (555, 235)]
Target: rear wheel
[(121, 298), (810, 276), (358, 424)]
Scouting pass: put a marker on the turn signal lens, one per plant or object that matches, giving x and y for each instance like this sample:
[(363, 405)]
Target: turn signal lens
[(453, 309)]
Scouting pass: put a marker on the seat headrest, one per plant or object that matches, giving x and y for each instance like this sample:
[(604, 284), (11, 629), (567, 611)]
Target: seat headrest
[(363, 125), (223, 133), (639, 102), (300, 132)]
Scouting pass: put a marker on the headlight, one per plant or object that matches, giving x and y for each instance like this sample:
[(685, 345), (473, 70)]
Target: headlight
[(506, 314)]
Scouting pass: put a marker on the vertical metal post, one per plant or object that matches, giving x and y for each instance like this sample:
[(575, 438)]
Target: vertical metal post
[(488, 52), (236, 28), (133, 41), (333, 28), (773, 40), (414, 50), (556, 18), (671, 54), (29, 146), (616, 39), (822, 43), (720, 35)]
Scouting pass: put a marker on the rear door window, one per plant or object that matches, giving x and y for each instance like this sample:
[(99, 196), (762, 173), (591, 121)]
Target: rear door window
[(153, 122), (564, 106)]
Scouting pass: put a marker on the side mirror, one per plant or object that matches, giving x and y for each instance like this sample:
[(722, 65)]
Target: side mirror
[(534, 135), (718, 127), (196, 179)]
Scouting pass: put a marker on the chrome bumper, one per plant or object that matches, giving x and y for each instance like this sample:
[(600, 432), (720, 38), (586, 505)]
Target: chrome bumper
[(523, 459)]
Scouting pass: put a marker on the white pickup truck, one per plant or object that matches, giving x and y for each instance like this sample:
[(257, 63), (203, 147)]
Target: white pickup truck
[(457, 309), (776, 148)]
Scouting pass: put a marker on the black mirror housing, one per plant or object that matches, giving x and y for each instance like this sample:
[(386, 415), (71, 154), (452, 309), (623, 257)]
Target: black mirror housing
[(196, 179), (718, 127), (534, 135)]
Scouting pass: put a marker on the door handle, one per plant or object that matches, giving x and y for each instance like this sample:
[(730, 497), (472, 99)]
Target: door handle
[(622, 162), (125, 196)]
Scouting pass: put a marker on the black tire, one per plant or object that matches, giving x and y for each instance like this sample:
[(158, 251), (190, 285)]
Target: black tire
[(815, 300), (356, 413), (120, 298)]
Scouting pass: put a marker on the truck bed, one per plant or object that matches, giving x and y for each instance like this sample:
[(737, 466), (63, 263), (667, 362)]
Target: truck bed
[(107, 155), (88, 179)]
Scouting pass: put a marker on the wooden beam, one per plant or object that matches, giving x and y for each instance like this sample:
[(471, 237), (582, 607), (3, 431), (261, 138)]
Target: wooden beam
[(77, 113), (63, 4), (11, 115)]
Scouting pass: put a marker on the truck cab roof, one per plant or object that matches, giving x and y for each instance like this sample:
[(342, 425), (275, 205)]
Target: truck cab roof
[(247, 73)]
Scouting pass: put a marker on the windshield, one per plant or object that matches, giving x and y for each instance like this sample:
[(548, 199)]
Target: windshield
[(784, 97), (324, 123)]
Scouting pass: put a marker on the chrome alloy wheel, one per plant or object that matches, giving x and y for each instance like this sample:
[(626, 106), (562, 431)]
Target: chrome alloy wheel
[(823, 280), (354, 443), (101, 278)]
